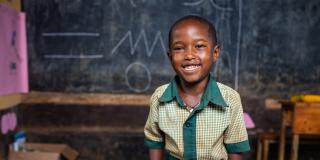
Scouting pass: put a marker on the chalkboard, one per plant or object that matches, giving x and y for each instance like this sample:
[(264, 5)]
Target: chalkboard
[(119, 46)]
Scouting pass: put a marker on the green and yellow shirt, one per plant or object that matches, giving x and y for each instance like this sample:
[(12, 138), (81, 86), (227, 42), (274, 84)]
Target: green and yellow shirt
[(211, 131)]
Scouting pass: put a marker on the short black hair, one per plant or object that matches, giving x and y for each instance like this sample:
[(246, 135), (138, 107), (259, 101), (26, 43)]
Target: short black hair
[(211, 28)]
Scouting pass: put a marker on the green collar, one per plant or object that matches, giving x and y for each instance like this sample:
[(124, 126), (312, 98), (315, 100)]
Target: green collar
[(212, 94)]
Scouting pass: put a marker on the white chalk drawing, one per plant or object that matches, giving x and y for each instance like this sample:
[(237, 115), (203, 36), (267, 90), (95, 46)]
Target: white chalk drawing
[(147, 84), (68, 56), (132, 3), (77, 34), (223, 27), (141, 37), (216, 6), (236, 78), (116, 8)]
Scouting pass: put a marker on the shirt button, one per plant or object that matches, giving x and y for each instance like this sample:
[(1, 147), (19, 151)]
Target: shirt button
[(188, 124)]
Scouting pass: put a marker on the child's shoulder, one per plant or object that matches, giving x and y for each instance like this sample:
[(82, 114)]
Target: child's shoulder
[(229, 95), (226, 89), (160, 90)]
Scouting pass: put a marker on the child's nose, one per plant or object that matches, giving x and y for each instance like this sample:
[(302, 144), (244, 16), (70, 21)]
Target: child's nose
[(189, 54)]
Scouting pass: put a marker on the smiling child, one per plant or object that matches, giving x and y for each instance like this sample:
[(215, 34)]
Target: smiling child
[(195, 117)]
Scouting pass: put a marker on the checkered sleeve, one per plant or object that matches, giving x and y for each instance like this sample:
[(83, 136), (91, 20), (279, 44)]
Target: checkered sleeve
[(153, 135), (236, 137)]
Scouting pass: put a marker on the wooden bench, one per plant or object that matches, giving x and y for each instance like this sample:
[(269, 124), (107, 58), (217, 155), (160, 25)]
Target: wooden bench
[(264, 139)]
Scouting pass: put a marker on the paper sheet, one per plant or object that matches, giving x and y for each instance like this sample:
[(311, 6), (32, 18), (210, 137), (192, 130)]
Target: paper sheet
[(13, 52), (248, 121)]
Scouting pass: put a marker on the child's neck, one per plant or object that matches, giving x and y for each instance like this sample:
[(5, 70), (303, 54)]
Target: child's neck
[(191, 93), (193, 88)]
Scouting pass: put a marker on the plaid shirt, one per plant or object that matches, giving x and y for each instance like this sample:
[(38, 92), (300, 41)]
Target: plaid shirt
[(211, 131)]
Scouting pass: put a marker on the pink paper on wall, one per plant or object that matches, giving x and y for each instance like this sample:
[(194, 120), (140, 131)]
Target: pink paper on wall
[(8, 122), (248, 121), (13, 52)]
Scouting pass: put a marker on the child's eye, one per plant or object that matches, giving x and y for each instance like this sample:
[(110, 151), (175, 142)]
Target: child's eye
[(199, 46), (177, 48)]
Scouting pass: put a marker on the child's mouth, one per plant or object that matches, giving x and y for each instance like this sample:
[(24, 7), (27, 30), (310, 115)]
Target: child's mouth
[(191, 67)]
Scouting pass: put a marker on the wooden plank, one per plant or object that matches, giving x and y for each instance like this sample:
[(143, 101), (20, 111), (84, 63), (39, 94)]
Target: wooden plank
[(282, 138), (33, 155), (306, 118), (82, 129), (272, 104), (9, 101), (295, 147), (63, 149), (15, 4), (47, 151), (98, 99)]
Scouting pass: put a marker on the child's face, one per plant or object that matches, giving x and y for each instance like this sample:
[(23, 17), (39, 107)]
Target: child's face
[(192, 51)]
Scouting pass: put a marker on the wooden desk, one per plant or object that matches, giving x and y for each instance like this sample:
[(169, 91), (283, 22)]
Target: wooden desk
[(304, 118), (9, 101)]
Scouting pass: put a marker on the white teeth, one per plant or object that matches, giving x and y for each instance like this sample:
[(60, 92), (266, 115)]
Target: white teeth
[(189, 68)]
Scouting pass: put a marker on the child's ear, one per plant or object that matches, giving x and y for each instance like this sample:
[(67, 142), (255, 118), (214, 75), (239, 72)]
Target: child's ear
[(216, 53), (169, 54)]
